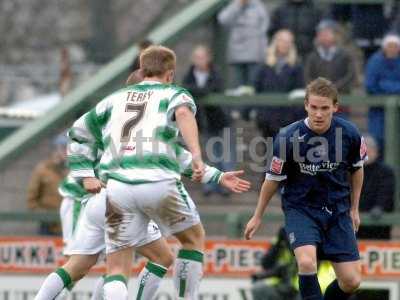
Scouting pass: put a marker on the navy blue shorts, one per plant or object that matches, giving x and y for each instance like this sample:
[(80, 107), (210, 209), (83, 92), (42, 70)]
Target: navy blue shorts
[(332, 233)]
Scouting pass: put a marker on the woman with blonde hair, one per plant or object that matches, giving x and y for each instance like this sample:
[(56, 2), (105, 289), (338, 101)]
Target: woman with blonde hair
[(281, 73)]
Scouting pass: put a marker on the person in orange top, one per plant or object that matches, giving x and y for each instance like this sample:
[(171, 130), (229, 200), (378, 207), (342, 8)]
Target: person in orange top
[(43, 186)]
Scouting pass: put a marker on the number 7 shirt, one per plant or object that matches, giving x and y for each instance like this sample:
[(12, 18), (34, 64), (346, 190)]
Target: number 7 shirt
[(135, 128)]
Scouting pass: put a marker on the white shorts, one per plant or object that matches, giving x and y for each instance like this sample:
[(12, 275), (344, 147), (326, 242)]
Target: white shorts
[(67, 220), (131, 206), (89, 236)]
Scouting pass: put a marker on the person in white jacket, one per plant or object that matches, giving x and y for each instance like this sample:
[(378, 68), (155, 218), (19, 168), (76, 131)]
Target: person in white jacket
[(247, 22)]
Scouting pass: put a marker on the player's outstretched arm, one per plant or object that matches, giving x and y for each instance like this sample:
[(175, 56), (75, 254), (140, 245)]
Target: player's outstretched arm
[(188, 127), (357, 178), (268, 189), (232, 181)]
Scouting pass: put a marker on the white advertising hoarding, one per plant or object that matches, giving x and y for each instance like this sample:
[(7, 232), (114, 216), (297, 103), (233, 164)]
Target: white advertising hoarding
[(22, 287)]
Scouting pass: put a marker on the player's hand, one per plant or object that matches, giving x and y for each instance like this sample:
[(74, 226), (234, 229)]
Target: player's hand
[(92, 185), (355, 218), (234, 183), (198, 169), (251, 227)]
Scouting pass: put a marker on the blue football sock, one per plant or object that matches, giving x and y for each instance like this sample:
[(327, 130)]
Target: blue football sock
[(309, 287), (333, 292)]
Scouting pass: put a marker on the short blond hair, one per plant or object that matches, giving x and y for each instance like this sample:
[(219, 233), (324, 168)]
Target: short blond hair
[(157, 60), (324, 88)]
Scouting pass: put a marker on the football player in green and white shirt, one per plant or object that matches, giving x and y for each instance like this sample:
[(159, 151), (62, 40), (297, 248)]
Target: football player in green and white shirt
[(85, 244), (89, 237), (60, 282), (137, 128), (88, 242)]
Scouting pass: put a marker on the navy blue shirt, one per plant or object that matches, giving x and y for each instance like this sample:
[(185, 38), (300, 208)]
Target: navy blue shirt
[(315, 168)]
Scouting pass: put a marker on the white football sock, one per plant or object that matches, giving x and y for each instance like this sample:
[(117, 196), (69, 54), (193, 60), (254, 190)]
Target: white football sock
[(115, 288), (53, 285), (63, 295), (97, 293), (188, 272), (149, 281)]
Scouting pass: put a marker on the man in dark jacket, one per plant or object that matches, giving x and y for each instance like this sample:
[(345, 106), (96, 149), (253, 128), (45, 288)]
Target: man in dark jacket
[(299, 16), (368, 23), (202, 79), (383, 68), (329, 60), (382, 77), (377, 194)]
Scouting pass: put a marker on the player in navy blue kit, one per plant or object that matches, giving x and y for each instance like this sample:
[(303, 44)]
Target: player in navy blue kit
[(319, 162)]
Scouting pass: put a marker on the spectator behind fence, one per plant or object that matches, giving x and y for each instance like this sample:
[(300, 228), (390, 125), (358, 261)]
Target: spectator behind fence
[(299, 16), (43, 186), (368, 23), (329, 60), (142, 46), (395, 20), (377, 194), (382, 77), (247, 21), (202, 79), (281, 73)]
